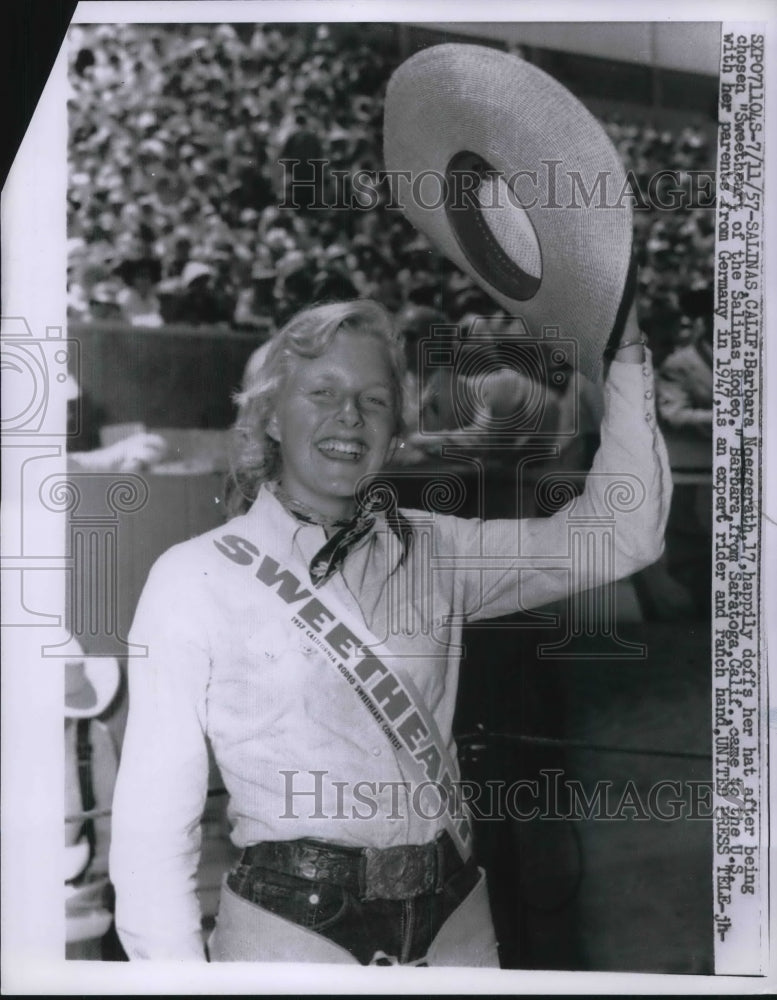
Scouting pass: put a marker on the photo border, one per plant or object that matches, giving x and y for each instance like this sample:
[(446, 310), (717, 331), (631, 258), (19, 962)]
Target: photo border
[(32, 799)]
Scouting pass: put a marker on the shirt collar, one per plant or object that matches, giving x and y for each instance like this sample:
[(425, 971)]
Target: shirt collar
[(274, 520)]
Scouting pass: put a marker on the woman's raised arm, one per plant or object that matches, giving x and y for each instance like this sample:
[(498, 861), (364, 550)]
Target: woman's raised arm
[(504, 566)]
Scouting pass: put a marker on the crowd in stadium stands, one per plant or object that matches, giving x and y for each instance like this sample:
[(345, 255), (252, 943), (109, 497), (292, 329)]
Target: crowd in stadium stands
[(176, 133)]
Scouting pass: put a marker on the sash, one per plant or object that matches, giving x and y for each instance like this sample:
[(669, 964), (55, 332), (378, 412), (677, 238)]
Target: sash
[(385, 691)]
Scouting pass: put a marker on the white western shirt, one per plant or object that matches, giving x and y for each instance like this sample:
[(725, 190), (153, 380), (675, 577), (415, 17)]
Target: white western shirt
[(226, 663)]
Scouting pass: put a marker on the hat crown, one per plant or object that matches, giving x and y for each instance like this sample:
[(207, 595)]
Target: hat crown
[(553, 210)]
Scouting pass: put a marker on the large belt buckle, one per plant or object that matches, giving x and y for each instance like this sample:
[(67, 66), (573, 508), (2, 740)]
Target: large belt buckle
[(307, 861), (397, 872)]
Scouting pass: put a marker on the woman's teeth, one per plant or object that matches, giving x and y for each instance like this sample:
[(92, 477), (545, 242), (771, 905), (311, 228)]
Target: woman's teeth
[(352, 450)]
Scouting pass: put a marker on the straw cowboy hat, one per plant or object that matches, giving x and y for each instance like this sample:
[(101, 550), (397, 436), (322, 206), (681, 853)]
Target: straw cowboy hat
[(545, 230)]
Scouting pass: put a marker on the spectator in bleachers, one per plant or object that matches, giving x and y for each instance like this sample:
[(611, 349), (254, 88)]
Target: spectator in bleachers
[(255, 306), (684, 381), (104, 302), (180, 248), (138, 301), (199, 300)]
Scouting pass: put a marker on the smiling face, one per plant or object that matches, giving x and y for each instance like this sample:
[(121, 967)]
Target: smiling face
[(335, 421)]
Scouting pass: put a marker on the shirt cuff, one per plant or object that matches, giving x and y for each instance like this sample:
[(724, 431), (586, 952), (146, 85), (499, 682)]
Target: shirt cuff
[(627, 383)]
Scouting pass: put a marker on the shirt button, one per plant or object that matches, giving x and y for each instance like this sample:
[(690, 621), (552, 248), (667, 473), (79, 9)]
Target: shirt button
[(313, 898), (649, 394), (376, 751)]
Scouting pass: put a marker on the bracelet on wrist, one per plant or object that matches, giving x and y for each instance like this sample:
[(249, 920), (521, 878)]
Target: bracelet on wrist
[(641, 340)]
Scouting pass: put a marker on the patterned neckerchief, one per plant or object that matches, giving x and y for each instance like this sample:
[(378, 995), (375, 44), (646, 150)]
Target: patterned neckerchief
[(346, 533)]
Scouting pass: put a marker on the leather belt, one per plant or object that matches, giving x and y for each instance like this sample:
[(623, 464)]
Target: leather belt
[(369, 872)]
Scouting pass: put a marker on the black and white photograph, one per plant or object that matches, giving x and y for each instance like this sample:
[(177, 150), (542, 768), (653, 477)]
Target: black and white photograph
[(386, 521)]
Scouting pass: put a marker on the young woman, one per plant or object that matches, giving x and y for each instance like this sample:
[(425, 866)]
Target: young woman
[(313, 640)]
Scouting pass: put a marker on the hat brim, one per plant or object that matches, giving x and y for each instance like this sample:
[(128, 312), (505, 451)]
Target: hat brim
[(453, 98)]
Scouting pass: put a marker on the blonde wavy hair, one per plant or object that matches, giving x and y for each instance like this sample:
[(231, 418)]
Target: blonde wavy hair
[(255, 456)]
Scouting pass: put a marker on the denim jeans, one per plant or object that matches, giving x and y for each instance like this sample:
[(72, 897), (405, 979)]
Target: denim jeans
[(261, 909)]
